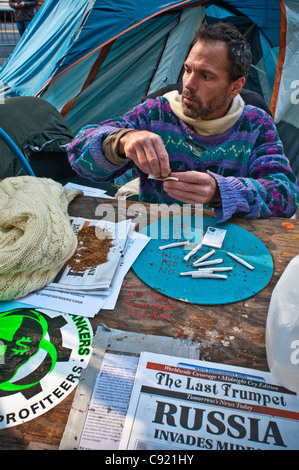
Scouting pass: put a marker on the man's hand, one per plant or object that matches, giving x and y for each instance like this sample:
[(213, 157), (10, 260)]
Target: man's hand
[(193, 187), (147, 151)]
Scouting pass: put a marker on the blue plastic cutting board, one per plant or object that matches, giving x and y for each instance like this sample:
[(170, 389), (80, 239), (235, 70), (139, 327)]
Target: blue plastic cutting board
[(160, 269)]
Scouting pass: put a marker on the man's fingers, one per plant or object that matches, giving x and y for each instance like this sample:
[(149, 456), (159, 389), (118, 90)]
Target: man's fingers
[(163, 157), (157, 157), (148, 152), (184, 196), (142, 161), (196, 177), (193, 187), (152, 161)]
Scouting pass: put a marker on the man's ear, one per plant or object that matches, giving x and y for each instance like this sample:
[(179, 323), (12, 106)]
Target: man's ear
[(237, 86)]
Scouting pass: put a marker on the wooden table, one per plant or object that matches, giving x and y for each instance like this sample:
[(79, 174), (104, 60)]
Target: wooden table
[(231, 334)]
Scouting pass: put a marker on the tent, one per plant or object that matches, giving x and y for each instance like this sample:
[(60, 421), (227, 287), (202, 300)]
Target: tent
[(98, 58)]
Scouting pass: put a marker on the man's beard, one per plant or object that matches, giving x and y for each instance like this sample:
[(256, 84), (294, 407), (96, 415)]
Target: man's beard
[(198, 109)]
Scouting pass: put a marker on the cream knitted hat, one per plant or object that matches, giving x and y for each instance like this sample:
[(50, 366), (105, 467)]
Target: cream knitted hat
[(36, 238)]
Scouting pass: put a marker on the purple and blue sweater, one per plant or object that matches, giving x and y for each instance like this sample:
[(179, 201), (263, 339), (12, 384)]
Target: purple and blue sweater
[(248, 161)]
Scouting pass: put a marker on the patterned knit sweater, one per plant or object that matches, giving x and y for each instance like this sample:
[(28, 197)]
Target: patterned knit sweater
[(253, 174)]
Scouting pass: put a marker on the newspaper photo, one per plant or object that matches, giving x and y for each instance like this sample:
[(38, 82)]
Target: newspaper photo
[(179, 404)]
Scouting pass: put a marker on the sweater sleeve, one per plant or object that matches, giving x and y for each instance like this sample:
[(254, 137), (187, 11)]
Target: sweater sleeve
[(86, 155), (86, 152), (269, 190)]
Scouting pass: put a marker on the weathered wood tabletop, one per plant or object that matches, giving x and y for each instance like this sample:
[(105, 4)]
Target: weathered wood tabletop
[(231, 333)]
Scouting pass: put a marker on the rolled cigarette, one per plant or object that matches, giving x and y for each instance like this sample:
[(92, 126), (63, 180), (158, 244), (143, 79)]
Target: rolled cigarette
[(228, 268), (207, 255), (240, 260), (192, 252), (207, 263), (152, 177), (208, 276), (203, 270), (172, 245)]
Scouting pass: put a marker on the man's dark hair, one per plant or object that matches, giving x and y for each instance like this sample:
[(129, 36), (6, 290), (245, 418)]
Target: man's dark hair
[(238, 49)]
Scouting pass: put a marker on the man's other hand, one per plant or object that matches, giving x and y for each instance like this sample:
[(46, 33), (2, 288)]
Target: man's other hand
[(193, 187)]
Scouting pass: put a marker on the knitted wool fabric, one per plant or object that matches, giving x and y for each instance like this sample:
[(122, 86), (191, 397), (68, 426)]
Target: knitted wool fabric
[(36, 238)]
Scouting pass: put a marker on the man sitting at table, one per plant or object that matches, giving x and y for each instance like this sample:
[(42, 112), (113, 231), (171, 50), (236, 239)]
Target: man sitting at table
[(225, 155)]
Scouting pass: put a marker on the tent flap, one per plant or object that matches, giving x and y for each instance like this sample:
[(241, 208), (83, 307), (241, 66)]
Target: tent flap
[(49, 37)]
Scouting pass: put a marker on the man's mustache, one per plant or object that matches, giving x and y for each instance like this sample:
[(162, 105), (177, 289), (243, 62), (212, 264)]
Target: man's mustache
[(190, 95)]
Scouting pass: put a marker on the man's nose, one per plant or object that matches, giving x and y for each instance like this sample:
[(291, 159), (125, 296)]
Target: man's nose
[(191, 82)]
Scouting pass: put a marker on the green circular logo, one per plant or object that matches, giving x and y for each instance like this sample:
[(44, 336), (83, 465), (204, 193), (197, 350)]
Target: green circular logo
[(41, 351)]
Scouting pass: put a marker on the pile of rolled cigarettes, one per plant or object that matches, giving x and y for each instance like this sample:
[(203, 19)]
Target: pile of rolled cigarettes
[(206, 268)]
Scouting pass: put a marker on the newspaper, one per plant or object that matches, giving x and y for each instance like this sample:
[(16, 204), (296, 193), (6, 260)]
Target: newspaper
[(99, 278), (109, 403), (102, 398), (89, 303), (179, 404)]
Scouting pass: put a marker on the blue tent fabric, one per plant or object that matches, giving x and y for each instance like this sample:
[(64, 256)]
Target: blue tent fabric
[(59, 37), (118, 16), (115, 18), (47, 39), (123, 78), (264, 13)]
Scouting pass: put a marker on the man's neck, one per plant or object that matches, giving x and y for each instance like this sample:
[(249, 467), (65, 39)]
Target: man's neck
[(218, 114)]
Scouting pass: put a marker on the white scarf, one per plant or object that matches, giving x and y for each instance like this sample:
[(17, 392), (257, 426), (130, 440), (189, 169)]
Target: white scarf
[(207, 127)]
